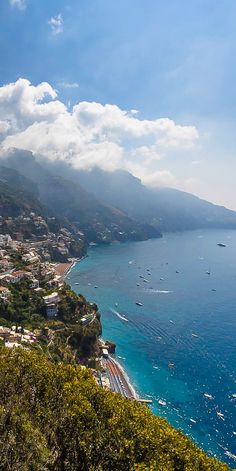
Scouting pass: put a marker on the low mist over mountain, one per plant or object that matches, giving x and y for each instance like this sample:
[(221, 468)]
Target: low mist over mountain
[(108, 206), (69, 200), (165, 208)]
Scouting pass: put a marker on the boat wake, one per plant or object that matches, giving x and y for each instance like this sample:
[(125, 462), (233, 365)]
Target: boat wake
[(123, 318), (159, 291)]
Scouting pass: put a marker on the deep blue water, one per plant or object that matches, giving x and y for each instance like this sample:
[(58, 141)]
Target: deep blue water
[(187, 318)]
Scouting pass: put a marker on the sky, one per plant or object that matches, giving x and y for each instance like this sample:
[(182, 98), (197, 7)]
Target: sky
[(144, 85)]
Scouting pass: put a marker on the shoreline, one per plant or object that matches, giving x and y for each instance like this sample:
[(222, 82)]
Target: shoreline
[(125, 374), (63, 269), (122, 372)]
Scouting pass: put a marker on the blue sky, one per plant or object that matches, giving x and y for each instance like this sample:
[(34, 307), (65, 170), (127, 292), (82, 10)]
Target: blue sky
[(167, 59)]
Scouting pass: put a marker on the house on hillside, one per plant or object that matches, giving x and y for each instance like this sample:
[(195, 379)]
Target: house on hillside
[(51, 302), (52, 310), (21, 275)]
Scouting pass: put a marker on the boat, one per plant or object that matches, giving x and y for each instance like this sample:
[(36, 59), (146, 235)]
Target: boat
[(208, 396), (193, 421), (138, 303), (76, 283), (145, 281), (171, 365), (220, 415), (208, 272), (194, 335), (176, 271), (162, 403), (95, 286), (220, 244), (234, 396)]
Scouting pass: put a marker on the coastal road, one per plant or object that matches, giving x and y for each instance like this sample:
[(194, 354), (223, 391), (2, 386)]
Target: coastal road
[(118, 380)]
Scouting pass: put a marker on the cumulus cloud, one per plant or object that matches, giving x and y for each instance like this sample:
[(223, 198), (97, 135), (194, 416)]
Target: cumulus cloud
[(21, 4), (56, 24), (91, 134)]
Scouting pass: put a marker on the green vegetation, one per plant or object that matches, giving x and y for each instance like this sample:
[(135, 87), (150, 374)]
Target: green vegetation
[(64, 339), (55, 417), (25, 307)]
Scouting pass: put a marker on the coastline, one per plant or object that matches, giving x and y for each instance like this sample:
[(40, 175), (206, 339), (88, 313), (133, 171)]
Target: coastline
[(64, 270), (170, 380), (125, 374)]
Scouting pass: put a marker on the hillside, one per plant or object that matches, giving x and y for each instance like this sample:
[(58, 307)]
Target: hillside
[(24, 216), (55, 417), (98, 221), (17, 194)]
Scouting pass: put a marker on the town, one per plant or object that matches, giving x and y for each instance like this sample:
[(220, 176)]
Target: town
[(38, 309), (35, 301)]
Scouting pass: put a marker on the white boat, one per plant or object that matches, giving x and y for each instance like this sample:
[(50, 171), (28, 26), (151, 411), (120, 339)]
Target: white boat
[(193, 421), (76, 283), (208, 396), (220, 415), (161, 402), (138, 303)]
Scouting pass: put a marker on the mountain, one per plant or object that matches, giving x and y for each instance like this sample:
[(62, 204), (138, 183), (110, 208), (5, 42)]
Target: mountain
[(100, 222), (17, 194), (22, 215), (108, 206), (165, 208)]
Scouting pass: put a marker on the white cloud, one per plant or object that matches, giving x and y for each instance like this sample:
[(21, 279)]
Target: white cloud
[(21, 4), (56, 24), (90, 134), (68, 85)]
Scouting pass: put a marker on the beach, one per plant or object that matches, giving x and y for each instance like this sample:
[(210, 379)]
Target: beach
[(63, 269)]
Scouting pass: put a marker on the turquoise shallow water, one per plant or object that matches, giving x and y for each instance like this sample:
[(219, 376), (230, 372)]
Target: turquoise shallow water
[(188, 318)]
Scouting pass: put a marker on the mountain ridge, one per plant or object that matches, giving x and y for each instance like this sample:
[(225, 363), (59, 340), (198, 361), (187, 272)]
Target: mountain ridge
[(67, 199)]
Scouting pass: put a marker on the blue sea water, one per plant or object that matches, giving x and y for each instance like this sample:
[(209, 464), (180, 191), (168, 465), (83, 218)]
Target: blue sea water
[(180, 344)]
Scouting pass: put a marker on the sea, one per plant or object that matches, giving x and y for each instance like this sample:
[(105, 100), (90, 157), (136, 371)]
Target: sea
[(178, 345)]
